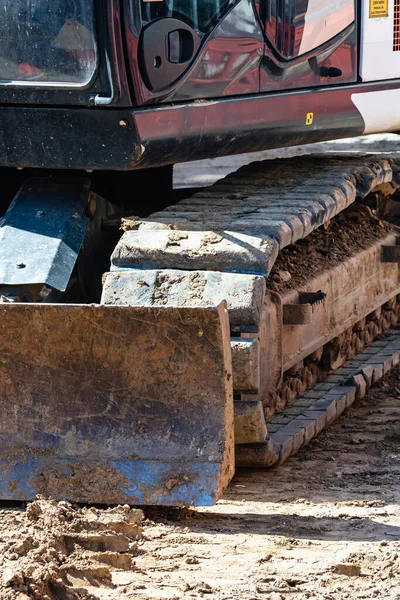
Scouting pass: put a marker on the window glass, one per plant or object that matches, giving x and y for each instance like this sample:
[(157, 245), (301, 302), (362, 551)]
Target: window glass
[(323, 20), (47, 41), (296, 27), (202, 15)]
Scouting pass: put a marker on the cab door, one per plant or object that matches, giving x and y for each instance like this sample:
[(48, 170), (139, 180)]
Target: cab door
[(308, 43), (189, 49)]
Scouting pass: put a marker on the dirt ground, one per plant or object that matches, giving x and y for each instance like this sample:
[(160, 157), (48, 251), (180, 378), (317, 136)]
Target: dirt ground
[(351, 231), (324, 525)]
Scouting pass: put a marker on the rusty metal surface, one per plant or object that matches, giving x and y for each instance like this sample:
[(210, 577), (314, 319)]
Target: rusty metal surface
[(302, 312), (391, 254), (109, 404), (250, 426), (245, 364), (353, 289), (347, 293)]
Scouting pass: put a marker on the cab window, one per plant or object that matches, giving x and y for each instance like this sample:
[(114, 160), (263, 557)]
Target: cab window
[(47, 42)]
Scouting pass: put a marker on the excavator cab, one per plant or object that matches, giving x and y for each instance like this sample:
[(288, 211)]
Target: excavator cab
[(117, 63), (174, 49)]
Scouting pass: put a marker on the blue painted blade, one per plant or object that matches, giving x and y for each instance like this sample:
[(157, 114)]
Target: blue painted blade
[(115, 404)]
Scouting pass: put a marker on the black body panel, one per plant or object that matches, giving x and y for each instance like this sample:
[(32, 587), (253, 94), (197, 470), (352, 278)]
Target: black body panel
[(131, 139), (167, 48), (67, 138)]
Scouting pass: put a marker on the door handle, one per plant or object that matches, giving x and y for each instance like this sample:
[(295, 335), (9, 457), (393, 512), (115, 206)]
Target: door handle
[(167, 47), (180, 46)]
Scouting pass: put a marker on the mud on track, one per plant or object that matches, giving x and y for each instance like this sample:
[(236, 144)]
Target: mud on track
[(324, 525)]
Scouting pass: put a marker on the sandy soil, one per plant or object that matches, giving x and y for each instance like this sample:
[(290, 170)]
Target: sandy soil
[(324, 525)]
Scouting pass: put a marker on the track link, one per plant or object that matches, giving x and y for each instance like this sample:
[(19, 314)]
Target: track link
[(293, 428), (222, 244), (320, 364)]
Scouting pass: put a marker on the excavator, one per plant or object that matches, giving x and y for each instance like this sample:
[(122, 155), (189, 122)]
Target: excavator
[(151, 339)]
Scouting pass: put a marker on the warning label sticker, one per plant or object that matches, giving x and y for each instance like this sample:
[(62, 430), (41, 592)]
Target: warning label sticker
[(378, 8)]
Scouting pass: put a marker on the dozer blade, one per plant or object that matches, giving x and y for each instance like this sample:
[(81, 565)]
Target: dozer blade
[(112, 404)]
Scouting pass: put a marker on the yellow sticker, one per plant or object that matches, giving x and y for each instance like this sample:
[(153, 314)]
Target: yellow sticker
[(309, 118), (378, 8)]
